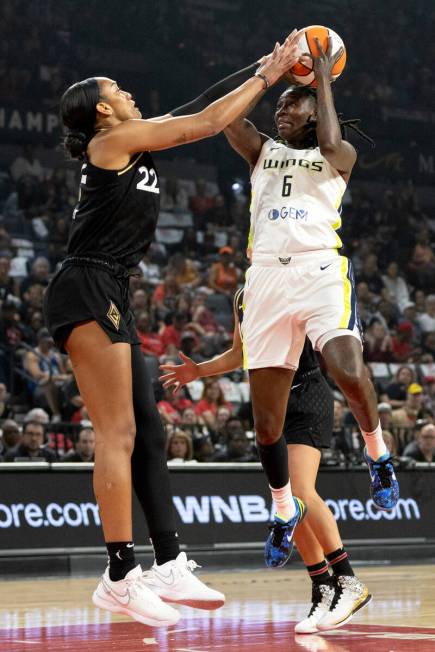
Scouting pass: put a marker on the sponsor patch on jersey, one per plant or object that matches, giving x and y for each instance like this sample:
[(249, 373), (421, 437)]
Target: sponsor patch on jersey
[(114, 315), (290, 212)]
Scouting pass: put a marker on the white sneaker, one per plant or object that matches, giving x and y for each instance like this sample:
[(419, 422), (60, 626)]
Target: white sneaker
[(321, 599), (351, 595), (175, 582), (132, 597)]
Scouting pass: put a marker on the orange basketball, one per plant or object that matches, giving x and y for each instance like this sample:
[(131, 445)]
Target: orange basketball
[(303, 74)]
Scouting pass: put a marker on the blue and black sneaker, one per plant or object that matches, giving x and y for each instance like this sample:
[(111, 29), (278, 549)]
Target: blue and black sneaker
[(384, 487), (279, 544)]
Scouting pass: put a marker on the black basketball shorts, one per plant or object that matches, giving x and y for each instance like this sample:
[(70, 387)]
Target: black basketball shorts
[(310, 413), (84, 292)]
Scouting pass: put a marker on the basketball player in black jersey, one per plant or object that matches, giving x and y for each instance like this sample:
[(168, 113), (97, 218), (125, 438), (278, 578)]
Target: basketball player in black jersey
[(307, 429), (87, 310)]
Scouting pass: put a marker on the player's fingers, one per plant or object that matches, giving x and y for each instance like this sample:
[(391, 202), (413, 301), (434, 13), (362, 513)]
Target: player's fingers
[(306, 60), (184, 357), (169, 383), (337, 55), (319, 47), (329, 48), (166, 377), (177, 388)]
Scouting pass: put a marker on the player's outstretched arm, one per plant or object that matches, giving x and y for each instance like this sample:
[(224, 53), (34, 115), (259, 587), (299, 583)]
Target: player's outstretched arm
[(133, 136), (178, 375), (337, 151)]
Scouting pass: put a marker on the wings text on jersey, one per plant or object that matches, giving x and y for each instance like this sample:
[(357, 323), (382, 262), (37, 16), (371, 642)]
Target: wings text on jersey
[(313, 166)]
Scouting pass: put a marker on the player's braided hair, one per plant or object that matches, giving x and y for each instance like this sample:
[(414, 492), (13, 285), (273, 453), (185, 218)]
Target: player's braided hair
[(310, 128)]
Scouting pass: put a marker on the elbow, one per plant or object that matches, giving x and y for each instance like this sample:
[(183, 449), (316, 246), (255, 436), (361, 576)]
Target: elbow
[(329, 147), (213, 126)]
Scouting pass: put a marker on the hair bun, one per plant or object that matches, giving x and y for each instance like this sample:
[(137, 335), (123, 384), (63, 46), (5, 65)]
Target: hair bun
[(75, 143)]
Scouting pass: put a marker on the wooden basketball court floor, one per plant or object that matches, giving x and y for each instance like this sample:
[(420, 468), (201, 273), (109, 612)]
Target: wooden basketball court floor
[(261, 610)]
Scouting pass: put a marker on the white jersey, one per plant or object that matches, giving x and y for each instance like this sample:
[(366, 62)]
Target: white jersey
[(296, 201)]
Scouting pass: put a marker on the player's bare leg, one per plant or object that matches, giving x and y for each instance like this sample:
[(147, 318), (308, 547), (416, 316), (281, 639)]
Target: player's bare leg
[(334, 599), (270, 389), (343, 358), (110, 406)]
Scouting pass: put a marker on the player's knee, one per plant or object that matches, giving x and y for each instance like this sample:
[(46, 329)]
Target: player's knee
[(352, 378), (306, 493), (267, 430), (120, 437)]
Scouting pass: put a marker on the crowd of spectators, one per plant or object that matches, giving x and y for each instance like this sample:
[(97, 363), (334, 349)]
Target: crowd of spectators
[(182, 300)]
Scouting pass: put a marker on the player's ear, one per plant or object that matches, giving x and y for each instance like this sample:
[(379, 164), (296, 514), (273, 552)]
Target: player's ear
[(104, 109)]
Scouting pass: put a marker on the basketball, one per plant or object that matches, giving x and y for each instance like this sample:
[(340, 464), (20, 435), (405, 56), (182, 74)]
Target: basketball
[(303, 72)]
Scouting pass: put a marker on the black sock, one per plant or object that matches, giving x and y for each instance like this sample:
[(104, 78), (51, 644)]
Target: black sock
[(339, 562), (274, 461), (121, 559), (319, 573), (166, 546)]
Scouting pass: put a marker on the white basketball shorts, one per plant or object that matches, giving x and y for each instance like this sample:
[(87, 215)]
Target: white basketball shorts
[(287, 298)]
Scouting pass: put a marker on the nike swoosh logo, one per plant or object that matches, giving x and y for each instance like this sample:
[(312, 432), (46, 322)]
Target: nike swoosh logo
[(130, 545), (274, 148), (322, 267), (118, 555), (289, 538), (123, 598), (166, 579), (297, 385)]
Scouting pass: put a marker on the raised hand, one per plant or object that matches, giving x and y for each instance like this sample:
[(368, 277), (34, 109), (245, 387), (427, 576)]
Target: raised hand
[(179, 374), (283, 57), (323, 63)]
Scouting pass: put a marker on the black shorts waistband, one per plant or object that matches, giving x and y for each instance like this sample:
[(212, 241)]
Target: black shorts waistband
[(308, 374), (110, 266)]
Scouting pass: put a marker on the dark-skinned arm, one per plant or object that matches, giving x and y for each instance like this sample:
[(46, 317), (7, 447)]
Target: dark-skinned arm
[(338, 152)]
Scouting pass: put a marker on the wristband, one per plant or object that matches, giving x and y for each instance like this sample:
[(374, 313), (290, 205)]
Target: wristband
[(264, 78)]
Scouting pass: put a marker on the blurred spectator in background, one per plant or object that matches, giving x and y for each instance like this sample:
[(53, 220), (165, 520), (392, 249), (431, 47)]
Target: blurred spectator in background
[(10, 437), (47, 373), (31, 446), (377, 343), (407, 414), (173, 196), (396, 285), (39, 274), (150, 342), (422, 264), (212, 399), (6, 411), (224, 275), (201, 203), (7, 285), (165, 295), (203, 449), (193, 424), (402, 343), (385, 416), (84, 446), (179, 447), (366, 303), (425, 448), (185, 273), (427, 319), (26, 165), (370, 275), (396, 390), (238, 448), (220, 433)]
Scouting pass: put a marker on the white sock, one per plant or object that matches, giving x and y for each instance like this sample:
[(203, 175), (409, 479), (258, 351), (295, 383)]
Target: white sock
[(374, 443), (283, 499)]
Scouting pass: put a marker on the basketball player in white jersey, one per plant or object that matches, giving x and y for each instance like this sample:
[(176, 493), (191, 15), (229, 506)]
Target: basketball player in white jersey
[(299, 285)]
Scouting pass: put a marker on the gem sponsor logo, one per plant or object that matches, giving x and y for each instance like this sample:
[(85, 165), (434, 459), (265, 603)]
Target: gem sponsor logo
[(288, 212)]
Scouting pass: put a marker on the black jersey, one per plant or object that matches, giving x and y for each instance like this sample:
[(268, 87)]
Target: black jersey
[(307, 361), (117, 211)]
